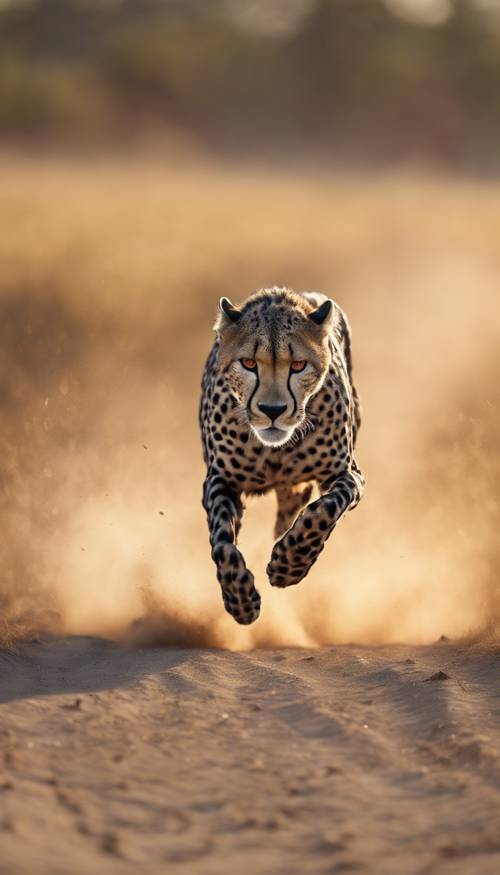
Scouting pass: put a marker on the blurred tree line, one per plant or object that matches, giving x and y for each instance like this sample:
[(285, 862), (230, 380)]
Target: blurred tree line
[(349, 79)]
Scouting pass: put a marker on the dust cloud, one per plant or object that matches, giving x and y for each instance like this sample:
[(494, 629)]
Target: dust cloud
[(106, 317)]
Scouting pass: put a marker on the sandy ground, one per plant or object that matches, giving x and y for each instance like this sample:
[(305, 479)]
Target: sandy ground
[(274, 761)]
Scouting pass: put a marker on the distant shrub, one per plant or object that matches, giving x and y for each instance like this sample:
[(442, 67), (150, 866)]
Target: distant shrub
[(48, 97)]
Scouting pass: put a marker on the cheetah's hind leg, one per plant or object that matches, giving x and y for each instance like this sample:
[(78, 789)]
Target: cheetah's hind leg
[(291, 500)]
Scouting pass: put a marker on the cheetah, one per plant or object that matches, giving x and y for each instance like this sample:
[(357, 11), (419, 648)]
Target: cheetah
[(278, 411)]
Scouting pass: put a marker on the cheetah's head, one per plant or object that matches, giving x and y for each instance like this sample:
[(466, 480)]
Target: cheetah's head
[(275, 354)]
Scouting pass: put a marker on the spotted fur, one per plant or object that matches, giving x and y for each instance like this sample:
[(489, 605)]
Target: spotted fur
[(313, 439)]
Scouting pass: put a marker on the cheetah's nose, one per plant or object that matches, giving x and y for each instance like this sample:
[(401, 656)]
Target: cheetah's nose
[(272, 410)]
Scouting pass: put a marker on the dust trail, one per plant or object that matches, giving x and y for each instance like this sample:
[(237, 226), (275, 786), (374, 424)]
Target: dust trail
[(101, 473)]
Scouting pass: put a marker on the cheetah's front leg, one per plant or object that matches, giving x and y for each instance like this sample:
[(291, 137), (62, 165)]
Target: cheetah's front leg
[(224, 512), (295, 553), (291, 500)]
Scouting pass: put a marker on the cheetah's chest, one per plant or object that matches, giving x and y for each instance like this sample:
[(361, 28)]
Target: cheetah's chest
[(261, 468)]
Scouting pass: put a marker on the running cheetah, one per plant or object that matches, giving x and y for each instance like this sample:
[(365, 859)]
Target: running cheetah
[(278, 411)]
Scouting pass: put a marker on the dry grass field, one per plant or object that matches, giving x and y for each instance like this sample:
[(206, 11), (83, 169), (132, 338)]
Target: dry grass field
[(192, 742)]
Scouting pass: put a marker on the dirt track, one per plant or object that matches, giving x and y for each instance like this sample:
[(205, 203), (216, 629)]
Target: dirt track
[(282, 761)]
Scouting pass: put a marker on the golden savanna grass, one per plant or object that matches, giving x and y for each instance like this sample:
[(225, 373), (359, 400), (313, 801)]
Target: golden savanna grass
[(110, 275)]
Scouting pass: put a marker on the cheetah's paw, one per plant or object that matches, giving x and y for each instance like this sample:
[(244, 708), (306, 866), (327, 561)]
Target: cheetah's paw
[(285, 570), (240, 597)]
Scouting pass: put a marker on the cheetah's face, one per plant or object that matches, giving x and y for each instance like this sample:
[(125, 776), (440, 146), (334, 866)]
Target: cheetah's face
[(274, 360)]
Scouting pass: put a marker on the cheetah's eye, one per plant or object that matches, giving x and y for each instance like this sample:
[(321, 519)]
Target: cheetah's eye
[(249, 364), (296, 367)]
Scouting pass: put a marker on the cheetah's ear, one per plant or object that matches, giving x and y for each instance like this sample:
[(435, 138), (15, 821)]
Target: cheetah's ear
[(322, 316), (232, 313)]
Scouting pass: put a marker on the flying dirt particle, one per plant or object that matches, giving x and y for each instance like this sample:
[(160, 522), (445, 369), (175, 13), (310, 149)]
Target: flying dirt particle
[(68, 802), (272, 823), (438, 676), (73, 706), (144, 447), (443, 639), (161, 513), (347, 866), (7, 824), (330, 842), (110, 844), (83, 828)]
